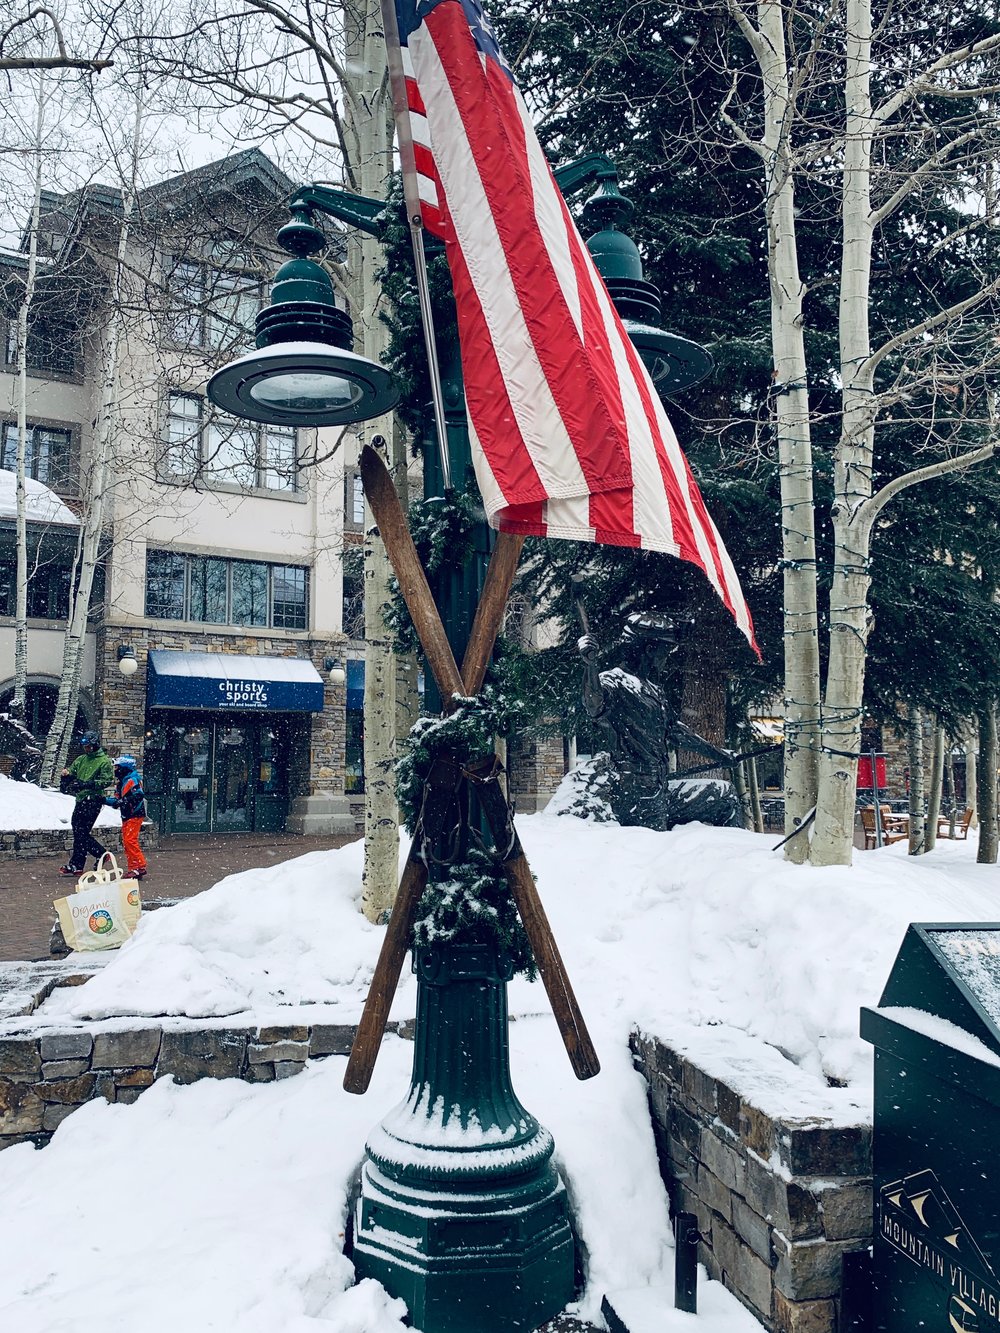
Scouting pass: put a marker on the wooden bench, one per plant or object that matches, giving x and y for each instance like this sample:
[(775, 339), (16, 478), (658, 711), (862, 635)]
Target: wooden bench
[(963, 823), (890, 833)]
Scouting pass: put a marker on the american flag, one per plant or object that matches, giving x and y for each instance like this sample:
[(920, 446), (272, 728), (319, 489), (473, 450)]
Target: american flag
[(569, 437)]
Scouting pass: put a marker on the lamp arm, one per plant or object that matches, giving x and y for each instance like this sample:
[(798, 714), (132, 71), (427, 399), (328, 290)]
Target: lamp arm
[(367, 215), (357, 210), (573, 176)]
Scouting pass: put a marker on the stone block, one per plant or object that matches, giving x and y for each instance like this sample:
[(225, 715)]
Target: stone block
[(282, 1034), (669, 1063), (660, 1099), (54, 1115), (753, 1230), (742, 1270), (799, 1211), (129, 1095), (277, 1051), (847, 1211), (134, 1078), (683, 1163), (63, 1068), (714, 1194), (700, 1087), (729, 1107), (685, 1127), (761, 1188), (756, 1130), (202, 1053), (20, 1108), (260, 1073), (809, 1270), (810, 1149), (331, 1039), (67, 1045), (20, 1055), (803, 1316), (67, 1090), (104, 1086), (725, 1162), (126, 1050), (286, 1068)]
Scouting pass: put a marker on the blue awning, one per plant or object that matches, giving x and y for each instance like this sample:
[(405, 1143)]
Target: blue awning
[(233, 682)]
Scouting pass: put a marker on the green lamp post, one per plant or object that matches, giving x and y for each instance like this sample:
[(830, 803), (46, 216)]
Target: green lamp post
[(461, 1211)]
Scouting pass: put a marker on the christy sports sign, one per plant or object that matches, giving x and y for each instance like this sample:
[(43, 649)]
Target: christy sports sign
[(232, 681)]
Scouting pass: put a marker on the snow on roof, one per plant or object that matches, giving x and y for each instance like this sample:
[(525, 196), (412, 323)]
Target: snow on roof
[(233, 666), (43, 505)]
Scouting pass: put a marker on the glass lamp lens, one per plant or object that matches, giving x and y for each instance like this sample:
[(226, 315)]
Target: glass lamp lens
[(305, 391)]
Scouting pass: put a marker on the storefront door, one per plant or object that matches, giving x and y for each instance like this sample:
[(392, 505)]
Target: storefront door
[(190, 780), (208, 773), (232, 794)]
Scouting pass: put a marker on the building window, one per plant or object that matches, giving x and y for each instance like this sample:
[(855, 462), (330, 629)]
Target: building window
[(46, 453), (53, 348), (354, 505), (51, 559), (201, 442), (211, 307), (212, 591)]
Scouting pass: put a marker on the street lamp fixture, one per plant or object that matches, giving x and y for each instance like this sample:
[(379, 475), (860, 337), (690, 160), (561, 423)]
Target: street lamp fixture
[(334, 669), (302, 371), (674, 363), (127, 663)]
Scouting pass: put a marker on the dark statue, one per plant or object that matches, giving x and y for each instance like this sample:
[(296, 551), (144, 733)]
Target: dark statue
[(632, 707)]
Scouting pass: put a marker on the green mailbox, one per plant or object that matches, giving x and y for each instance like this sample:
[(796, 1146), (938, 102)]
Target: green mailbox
[(936, 1138)]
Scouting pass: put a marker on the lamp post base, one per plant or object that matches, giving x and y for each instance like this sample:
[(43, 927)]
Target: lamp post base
[(461, 1212)]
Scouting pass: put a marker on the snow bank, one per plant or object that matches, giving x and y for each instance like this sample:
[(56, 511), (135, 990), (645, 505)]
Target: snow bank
[(25, 806), (222, 1205), (680, 933), (42, 505)]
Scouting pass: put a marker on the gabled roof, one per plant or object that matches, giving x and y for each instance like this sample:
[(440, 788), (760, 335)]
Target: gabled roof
[(248, 175)]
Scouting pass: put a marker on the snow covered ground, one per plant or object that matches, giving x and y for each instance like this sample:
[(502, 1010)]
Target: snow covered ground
[(25, 806), (222, 1205)]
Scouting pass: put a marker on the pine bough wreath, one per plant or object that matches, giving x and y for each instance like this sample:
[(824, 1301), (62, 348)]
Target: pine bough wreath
[(474, 901)]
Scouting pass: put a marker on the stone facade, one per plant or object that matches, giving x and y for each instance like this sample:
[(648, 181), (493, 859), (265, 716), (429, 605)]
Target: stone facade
[(23, 844), (778, 1202), (316, 761), (535, 770), (45, 1076)]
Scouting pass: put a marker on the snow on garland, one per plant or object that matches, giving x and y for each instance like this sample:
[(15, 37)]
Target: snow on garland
[(474, 901)]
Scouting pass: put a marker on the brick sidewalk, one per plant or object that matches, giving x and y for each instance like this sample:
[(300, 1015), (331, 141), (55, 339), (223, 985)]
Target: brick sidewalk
[(181, 867)]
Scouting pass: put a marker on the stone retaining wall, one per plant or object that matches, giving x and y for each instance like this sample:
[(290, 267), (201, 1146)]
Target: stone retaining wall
[(23, 844), (45, 1076), (778, 1202)]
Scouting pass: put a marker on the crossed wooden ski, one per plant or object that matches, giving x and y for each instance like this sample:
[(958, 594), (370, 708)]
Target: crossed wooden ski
[(416, 592)]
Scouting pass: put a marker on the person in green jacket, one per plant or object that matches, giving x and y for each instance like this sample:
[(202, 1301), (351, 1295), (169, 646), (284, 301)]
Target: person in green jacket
[(88, 777)]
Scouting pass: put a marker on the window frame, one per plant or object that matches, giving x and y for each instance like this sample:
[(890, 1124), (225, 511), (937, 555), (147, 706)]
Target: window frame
[(60, 485), (233, 565), (213, 431), (211, 330)]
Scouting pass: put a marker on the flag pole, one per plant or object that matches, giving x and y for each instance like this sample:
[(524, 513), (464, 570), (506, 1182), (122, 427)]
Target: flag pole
[(411, 197)]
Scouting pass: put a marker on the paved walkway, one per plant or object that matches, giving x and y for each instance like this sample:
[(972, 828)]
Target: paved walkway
[(182, 866)]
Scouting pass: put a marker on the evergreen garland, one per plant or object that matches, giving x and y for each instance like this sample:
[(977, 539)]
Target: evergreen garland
[(474, 903)]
